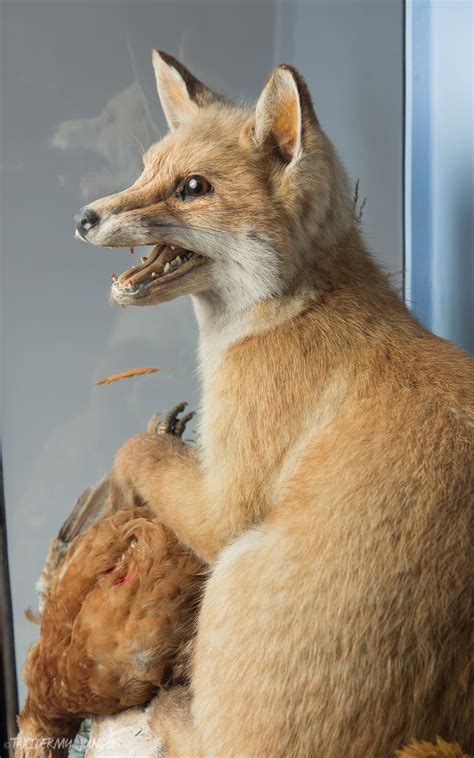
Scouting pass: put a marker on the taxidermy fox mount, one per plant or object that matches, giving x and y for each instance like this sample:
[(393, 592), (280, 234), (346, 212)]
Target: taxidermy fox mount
[(332, 487)]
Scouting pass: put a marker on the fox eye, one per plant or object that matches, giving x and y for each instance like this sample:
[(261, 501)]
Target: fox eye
[(195, 186)]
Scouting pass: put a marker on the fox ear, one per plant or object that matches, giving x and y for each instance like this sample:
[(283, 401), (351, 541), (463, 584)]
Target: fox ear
[(284, 112), (181, 94)]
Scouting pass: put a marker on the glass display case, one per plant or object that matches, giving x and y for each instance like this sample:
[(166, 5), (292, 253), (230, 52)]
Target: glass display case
[(79, 106)]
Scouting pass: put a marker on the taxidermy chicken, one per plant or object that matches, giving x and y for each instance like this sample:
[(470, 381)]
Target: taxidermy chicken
[(116, 623)]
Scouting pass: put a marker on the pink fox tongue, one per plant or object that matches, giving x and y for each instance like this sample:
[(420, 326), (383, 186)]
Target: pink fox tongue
[(155, 263)]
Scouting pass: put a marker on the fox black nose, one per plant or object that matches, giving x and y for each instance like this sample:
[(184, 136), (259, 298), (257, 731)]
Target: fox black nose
[(85, 220)]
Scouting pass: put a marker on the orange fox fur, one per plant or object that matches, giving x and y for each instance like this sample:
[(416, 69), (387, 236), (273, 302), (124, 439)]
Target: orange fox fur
[(332, 488)]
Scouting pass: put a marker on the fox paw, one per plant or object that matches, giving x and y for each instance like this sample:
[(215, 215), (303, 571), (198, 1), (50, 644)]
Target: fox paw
[(171, 424)]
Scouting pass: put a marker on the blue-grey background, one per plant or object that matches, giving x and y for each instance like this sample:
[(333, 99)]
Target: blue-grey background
[(77, 103), (439, 166)]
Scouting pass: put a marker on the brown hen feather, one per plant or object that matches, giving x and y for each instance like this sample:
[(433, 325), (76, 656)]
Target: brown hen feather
[(423, 749), (116, 623), (91, 505)]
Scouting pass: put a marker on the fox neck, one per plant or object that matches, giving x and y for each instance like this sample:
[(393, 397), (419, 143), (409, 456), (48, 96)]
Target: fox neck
[(226, 321), (271, 375), (267, 296)]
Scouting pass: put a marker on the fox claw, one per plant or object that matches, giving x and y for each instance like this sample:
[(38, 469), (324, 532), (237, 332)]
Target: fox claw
[(181, 423), (171, 424)]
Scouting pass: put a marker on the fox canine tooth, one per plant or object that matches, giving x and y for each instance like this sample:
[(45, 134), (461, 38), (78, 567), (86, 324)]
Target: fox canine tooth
[(178, 260), (167, 267)]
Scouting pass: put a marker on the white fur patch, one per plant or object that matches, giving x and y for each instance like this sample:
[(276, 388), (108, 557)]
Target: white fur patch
[(215, 336), (244, 274), (246, 543), (127, 733), (246, 269)]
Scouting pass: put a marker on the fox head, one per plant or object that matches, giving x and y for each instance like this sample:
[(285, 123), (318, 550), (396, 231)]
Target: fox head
[(240, 203)]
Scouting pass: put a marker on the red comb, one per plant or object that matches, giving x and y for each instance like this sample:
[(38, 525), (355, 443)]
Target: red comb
[(122, 580)]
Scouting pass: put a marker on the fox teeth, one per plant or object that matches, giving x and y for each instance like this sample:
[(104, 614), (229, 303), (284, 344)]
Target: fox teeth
[(173, 247), (153, 274), (167, 267), (178, 260)]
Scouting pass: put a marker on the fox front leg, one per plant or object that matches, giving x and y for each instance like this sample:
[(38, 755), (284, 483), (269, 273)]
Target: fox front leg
[(159, 469), (150, 447), (171, 424)]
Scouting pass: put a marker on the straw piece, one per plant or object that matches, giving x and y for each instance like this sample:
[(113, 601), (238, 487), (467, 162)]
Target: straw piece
[(126, 374)]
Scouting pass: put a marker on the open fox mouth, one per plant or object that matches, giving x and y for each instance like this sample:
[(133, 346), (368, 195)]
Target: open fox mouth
[(164, 264)]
